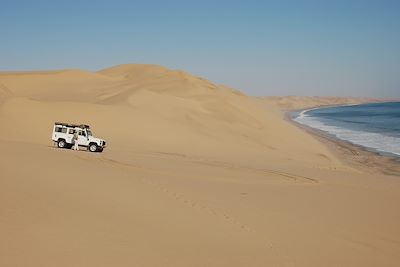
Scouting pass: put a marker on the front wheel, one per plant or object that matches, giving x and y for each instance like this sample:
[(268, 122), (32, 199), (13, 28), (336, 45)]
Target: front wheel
[(92, 147), (61, 144)]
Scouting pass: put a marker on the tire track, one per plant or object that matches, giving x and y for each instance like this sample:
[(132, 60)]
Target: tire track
[(215, 212), (219, 213)]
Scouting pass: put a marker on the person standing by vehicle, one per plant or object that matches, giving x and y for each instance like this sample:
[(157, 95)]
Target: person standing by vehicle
[(75, 140)]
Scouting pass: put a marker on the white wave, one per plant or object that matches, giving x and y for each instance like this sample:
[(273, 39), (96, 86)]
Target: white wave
[(303, 114), (376, 141)]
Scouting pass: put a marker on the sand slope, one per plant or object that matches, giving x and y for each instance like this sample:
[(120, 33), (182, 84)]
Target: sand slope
[(195, 174), (154, 108)]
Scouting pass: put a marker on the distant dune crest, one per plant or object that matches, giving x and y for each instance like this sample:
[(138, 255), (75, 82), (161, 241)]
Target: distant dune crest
[(301, 102), (108, 86)]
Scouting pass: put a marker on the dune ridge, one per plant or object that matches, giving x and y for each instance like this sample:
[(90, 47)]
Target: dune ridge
[(195, 174)]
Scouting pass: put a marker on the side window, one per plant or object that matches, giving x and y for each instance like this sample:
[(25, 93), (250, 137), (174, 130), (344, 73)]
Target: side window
[(58, 130), (71, 131), (64, 130)]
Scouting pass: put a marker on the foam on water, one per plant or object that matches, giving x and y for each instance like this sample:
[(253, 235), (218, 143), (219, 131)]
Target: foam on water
[(375, 141)]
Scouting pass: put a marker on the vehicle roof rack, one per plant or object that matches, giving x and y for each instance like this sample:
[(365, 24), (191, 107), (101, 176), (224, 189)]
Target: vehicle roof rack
[(72, 125)]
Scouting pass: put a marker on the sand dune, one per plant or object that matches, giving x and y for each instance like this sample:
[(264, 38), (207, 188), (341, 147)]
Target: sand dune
[(196, 174), (301, 102), (154, 108)]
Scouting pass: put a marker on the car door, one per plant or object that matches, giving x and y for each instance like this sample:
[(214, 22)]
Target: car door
[(69, 135), (82, 138)]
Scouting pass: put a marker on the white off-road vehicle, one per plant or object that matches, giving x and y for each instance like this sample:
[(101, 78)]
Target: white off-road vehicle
[(64, 132)]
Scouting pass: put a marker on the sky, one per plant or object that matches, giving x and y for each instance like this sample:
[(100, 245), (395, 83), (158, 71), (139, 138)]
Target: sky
[(314, 47)]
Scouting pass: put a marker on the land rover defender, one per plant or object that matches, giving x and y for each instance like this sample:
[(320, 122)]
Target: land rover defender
[(63, 134)]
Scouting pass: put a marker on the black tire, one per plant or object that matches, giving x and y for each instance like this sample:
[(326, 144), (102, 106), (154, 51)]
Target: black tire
[(62, 144), (93, 147)]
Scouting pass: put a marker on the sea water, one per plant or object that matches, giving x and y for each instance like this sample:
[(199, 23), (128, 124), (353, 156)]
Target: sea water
[(374, 126)]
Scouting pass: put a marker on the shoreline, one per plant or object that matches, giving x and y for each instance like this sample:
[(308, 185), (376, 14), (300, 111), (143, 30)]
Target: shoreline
[(351, 154)]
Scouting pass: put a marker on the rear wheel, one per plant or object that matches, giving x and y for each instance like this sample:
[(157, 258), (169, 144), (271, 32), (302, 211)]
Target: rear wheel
[(61, 143), (92, 147)]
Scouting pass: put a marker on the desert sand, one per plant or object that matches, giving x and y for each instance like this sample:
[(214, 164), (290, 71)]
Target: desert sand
[(195, 174)]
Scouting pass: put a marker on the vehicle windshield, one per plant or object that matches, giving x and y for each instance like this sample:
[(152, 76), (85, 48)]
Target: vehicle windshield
[(89, 132)]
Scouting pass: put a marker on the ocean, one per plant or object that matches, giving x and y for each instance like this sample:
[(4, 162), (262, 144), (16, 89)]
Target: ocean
[(374, 126)]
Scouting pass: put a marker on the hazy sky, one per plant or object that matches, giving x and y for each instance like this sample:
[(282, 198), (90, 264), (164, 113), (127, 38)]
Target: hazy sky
[(281, 47)]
